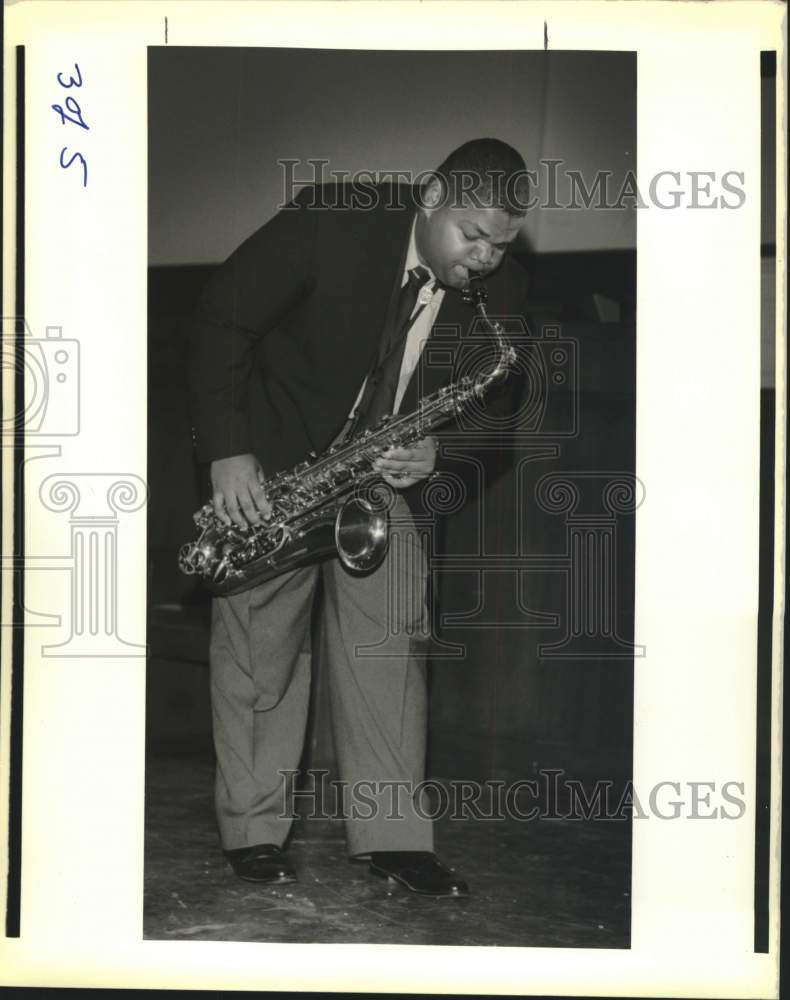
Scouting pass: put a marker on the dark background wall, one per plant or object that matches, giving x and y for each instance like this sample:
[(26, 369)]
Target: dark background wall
[(219, 120)]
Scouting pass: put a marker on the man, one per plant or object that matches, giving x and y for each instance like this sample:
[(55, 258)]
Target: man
[(310, 330)]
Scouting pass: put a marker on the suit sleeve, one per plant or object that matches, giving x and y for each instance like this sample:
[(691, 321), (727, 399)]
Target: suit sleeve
[(245, 298)]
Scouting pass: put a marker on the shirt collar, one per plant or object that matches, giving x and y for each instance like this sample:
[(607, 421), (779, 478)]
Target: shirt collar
[(413, 260)]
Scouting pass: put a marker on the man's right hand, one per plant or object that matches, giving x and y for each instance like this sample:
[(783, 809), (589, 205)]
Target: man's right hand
[(238, 493)]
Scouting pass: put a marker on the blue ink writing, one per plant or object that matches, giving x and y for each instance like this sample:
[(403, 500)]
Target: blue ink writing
[(75, 110), (75, 156), (72, 116), (72, 81)]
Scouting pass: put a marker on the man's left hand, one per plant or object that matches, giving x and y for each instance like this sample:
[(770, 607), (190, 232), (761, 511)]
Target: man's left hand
[(401, 467)]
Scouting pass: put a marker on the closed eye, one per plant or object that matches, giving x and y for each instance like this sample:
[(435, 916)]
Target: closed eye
[(476, 239)]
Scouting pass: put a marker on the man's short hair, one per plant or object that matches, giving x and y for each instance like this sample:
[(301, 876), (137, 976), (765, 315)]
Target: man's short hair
[(485, 173)]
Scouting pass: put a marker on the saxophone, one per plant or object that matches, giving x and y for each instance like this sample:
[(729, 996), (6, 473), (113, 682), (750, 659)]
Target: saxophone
[(332, 504)]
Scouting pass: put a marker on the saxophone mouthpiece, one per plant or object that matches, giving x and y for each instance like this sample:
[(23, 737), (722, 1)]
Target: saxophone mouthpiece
[(475, 292)]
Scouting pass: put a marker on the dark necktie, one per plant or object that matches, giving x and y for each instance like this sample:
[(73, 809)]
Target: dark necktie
[(378, 397)]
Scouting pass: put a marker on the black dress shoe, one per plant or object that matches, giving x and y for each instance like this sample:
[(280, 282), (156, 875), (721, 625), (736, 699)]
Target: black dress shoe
[(261, 863), (418, 871)]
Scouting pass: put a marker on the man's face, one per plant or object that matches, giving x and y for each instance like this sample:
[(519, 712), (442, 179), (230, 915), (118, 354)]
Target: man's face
[(458, 241)]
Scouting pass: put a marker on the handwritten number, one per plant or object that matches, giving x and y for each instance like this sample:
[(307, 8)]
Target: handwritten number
[(76, 113), (75, 156), (76, 110), (72, 115), (72, 81)]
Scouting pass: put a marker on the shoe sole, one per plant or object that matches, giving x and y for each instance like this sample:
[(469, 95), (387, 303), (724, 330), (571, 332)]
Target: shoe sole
[(277, 880), (394, 881)]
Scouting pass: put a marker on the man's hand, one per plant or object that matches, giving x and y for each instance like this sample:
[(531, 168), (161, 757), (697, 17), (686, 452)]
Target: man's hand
[(401, 467), (238, 494)]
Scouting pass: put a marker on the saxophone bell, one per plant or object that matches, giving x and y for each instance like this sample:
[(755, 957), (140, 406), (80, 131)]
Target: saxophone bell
[(361, 534)]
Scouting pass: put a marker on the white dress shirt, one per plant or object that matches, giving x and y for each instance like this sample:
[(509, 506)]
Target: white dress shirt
[(431, 297)]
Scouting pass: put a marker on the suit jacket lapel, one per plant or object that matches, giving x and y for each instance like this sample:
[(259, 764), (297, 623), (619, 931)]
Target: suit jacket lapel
[(380, 261)]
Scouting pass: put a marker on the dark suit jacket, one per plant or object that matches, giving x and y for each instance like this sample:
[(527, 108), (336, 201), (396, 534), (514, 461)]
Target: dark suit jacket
[(289, 325)]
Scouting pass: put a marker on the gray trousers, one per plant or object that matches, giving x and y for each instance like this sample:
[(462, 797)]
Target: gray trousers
[(375, 633)]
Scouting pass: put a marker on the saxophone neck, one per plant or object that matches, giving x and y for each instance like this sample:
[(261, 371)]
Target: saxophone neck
[(477, 295)]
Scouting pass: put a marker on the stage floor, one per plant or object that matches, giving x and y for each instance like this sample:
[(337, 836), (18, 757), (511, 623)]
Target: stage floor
[(541, 883)]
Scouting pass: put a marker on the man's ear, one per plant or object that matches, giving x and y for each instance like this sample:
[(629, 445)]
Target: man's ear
[(432, 194)]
